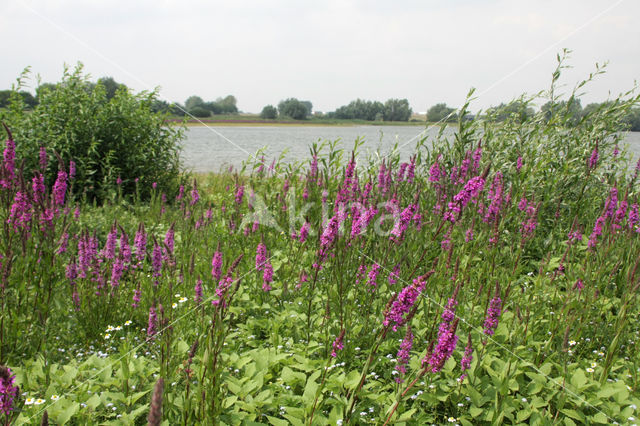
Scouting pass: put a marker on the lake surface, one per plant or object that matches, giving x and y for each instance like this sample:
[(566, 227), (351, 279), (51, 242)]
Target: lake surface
[(213, 148)]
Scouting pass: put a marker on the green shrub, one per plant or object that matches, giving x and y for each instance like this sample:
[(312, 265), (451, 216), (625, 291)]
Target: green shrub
[(106, 138)]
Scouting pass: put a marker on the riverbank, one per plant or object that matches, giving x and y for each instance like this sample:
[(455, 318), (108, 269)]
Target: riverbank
[(251, 120)]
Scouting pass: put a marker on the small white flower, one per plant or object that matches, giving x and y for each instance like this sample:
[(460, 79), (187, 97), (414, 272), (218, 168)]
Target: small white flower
[(590, 370), (128, 322), (107, 336), (29, 401), (524, 399), (174, 305), (452, 420), (178, 295), (55, 397), (182, 300), (594, 365), (39, 401), (572, 343)]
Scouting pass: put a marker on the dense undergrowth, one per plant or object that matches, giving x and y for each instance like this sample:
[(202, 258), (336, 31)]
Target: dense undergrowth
[(492, 278)]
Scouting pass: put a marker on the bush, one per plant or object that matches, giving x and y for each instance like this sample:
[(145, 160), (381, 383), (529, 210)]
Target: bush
[(200, 112), (106, 138), (269, 112)]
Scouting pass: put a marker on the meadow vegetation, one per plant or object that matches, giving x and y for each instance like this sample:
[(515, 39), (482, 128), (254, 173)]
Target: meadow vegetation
[(492, 278)]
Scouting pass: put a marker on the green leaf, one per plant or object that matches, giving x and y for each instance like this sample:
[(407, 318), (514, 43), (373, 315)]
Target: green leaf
[(578, 379), (277, 422), (67, 413), (352, 379), (311, 388)]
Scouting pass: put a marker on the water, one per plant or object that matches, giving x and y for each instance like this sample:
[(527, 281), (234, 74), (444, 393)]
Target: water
[(210, 149)]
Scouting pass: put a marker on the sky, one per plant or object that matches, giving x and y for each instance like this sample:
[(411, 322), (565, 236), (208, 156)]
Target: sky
[(329, 52)]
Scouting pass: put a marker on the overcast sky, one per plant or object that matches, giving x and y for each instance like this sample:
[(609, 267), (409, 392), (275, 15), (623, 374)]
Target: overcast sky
[(327, 52)]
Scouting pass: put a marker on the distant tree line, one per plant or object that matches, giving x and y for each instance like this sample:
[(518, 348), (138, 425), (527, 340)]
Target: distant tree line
[(391, 110), (288, 108), (197, 107), (359, 109), (520, 111)]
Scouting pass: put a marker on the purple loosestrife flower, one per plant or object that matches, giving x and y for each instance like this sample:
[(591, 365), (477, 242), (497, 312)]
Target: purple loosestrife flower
[(597, 231), (195, 195), (261, 257), (402, 223), (593, 160), (373, 275), (404, 354), (495, 195), (20, 213), (125, 248), (338, 344), (110, 245), (152, 323), (60, 188), (519, 164), (43, 158), (579, 285), (467, 358), (136, 297), (468, 235), (331, 230), (72, 170), (116, 272), (267, 276), (435, 173), (493, 313), (449, 313), (239, 194), (216, 265), (381, 177), (180, 195), (304, 232), (394, 275), (634, 217), (411, 170), (9, 165), (8, 390), (313, 168), (198, 291), (619, 215), (169, 240), (140, 243), (447, 341), (528, 226), (401, 171), (64, 242), (362, 269), (403, 303), (37, 184), (477, 156), (611, 203), (221, 291)]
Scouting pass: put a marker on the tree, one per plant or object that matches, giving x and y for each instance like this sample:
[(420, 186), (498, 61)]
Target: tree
[(292, 108), (361, 110), (441, 112), (200, 112), (569, 111), (192, 102), (309, 106), (517, 109), (110, 86), (106, 138), (632, 119), (227, 105), (269, 112), (397, 110)]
